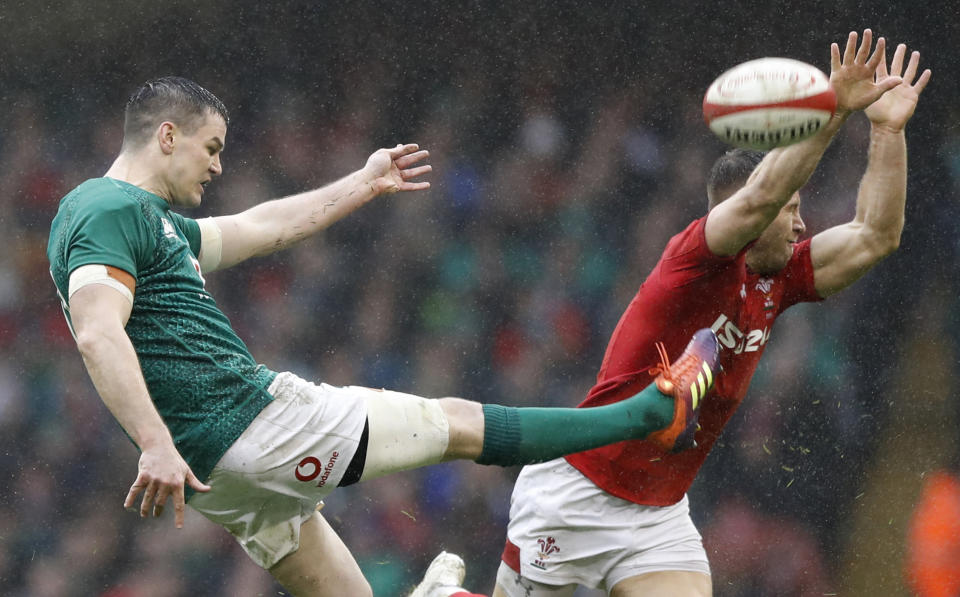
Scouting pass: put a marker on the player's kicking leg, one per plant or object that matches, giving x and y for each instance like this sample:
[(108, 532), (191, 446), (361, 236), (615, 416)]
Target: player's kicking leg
[(408, 431), (664, 412)]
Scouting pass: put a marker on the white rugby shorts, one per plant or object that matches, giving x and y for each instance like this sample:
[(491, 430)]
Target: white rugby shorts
[(567, 531), (271, 480)]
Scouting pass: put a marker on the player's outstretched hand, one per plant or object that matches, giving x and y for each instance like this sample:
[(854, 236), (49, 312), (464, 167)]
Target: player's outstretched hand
[(162, 473), (390, 170), (853, 77), (895, 108)]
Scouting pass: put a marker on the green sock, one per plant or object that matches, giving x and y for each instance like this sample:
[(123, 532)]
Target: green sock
[(515, 436)]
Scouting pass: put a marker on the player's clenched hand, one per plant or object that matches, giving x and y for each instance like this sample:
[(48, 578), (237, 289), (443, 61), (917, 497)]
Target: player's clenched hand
[(895, 108), (162, 473), (852, 76), (390, 169)]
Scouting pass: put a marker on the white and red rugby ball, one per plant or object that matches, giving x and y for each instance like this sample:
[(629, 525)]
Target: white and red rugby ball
[(769, 102)]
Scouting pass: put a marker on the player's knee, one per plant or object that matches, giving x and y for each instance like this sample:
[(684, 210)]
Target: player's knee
[(466, 428)]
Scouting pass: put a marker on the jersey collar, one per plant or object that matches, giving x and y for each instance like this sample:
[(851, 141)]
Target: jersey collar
[(133, 189)]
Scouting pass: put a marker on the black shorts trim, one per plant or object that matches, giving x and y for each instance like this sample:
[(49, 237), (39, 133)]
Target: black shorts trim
[(355, 468)]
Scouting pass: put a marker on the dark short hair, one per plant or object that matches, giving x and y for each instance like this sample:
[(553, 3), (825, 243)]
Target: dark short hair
[(729, 173), (173, 99)]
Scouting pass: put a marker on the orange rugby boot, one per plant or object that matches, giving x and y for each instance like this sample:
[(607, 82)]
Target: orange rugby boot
[(688, 380)]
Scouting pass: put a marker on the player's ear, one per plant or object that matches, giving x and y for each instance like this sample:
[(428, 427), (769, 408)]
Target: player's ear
[(166, 136)]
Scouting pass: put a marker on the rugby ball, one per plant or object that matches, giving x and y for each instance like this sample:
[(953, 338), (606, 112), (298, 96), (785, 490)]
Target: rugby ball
[(769, 102)]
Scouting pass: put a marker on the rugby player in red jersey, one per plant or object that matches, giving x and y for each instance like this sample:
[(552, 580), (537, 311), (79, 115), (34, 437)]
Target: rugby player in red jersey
[(616, 518)]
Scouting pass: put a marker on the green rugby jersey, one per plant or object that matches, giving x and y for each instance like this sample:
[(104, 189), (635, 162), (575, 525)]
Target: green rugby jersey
[(203, 380)]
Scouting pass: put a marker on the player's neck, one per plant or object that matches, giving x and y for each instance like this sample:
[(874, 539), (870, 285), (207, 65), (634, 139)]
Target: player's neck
[(761, 263), (132, 168)]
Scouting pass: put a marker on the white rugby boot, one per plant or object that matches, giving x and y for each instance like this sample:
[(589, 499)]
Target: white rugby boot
[(443, 577)]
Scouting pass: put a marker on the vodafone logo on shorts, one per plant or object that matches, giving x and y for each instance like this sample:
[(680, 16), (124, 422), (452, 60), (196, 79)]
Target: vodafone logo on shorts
[(309, 469)]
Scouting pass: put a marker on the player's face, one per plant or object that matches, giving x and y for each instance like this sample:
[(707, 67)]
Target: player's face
[(196, 160), (774, 248)]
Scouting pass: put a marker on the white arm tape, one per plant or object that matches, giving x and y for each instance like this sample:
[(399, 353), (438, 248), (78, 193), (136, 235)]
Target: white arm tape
[(95, 274), (211, 245)]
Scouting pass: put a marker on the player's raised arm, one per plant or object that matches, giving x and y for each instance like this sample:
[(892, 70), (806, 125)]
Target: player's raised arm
[(280, 223), (98, 314), (842, 254), (747, 213)]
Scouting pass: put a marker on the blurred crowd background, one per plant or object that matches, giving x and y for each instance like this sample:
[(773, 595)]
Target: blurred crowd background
[(567, 147)]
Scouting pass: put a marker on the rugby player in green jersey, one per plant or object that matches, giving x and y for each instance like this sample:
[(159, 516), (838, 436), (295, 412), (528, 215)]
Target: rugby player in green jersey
[(252, 449)]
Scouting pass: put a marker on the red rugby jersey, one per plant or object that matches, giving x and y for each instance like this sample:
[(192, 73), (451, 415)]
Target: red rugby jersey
[(690, 288)]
